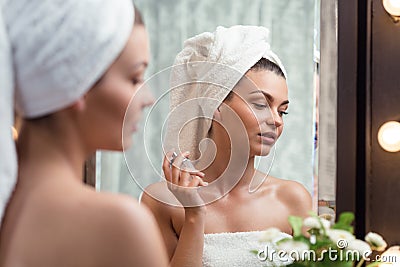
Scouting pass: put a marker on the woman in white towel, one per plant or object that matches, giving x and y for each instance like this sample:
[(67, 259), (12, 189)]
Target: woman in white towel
[(224, 230), (78, 63)]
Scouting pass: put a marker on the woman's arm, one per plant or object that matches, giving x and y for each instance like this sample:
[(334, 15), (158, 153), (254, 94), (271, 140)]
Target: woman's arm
[(189, 248), (184, 248)]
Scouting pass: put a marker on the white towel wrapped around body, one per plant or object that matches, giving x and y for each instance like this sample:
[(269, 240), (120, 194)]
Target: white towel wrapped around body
[(235, 250)]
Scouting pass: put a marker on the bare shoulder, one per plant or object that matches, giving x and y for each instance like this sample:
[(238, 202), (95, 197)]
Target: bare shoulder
[(89, 228), (294, 195), (113, 227), (120, 211), (292, 190), (122, 232), (159, 199)]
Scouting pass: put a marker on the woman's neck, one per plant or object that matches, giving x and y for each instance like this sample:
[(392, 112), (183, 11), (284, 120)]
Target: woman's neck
[(50, 148), (232, 167)]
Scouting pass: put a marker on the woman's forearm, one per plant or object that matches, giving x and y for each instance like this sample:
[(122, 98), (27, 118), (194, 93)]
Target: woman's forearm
[(189, 251)]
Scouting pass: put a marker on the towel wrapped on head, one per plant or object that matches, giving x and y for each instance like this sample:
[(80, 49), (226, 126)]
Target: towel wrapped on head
[(204, 73), (61, 48)]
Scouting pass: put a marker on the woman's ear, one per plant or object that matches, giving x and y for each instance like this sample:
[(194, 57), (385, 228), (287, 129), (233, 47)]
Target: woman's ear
[(217, 114), (80, 104)]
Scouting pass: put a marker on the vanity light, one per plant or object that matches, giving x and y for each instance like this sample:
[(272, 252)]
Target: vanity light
[(389, 136), (393, 8)]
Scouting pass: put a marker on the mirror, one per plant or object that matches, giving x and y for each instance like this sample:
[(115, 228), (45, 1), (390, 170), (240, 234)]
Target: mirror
[(327, 108), (295, 31)]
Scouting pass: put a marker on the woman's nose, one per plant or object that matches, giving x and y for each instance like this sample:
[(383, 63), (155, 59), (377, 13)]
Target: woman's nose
[(147, 97), (278, 120), (274, 119)]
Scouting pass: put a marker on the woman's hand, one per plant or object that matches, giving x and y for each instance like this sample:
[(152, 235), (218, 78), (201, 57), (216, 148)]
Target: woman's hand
[(183, 182)]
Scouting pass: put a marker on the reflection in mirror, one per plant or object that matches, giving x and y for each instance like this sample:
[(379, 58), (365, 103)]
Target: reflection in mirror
[(292, 26)]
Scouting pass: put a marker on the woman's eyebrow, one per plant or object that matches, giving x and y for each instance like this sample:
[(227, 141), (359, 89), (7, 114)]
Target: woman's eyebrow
[(269, 97)]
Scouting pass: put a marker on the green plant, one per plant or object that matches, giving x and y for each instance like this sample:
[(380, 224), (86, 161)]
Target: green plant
[(322, 244)]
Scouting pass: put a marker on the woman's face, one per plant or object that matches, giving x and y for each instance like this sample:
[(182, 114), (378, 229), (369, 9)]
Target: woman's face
[(119, 93), (260, 100)]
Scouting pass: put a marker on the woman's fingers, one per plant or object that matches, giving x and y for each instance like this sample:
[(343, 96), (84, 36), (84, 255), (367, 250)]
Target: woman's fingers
[(176, 171), (166, 166), (197, 173), (175, 168), (203, 183), (196, 181), (185, 179)]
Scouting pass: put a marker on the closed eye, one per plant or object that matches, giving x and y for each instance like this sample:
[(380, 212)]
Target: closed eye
[(260, 106)]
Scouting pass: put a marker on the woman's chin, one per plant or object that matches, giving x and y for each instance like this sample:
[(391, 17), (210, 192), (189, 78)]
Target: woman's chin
[(265, 152), (127, 144), (261, 151), (116, 147), (127, 139)]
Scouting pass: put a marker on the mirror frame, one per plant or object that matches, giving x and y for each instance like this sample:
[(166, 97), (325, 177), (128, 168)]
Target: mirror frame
[(327, 124), (353, 109)]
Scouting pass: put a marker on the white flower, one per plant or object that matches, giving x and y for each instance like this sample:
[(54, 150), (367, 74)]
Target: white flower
[(337, 235), (270, 234), (295, 250), (325, 223), (360, 246), (311, 222), (315, 223), (376, 241), (391, 257)]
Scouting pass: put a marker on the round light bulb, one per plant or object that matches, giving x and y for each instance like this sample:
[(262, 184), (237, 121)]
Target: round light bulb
[(392, 7), (389, 136)]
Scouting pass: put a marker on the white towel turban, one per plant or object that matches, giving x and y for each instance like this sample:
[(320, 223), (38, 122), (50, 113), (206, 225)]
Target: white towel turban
[(204, 73), (52, 52)]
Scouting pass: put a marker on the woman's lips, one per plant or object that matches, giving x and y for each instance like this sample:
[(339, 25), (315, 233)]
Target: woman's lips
[(130, 129), (268, 138)]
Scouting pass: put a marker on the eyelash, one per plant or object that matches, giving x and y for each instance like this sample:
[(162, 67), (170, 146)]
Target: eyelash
[(260, 106)]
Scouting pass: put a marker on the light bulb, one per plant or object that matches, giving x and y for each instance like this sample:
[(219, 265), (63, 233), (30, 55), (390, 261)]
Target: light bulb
[(392, 7), (389, 136)]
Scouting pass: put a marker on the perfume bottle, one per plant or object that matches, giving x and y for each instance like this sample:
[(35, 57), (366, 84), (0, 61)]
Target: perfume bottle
[(186, 163)]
